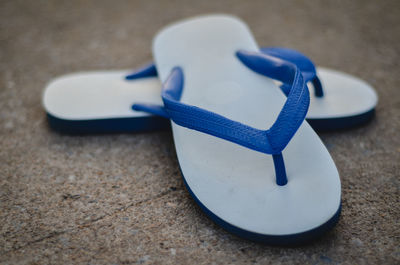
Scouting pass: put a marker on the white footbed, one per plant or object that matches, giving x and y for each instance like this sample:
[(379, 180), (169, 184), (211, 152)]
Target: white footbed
[(235, 183), (99, 95)]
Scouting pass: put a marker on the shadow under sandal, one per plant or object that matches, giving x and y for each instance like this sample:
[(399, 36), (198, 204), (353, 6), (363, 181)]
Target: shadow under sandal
[(278, 185)]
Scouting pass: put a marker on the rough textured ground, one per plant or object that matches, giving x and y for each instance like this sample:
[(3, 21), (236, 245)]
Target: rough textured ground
[(119, 199)]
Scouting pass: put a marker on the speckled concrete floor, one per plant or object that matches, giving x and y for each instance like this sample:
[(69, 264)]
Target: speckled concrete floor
[(119, 199)]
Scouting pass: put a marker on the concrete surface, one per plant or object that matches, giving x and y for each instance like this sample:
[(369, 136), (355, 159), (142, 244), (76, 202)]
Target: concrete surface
[(119, 199)]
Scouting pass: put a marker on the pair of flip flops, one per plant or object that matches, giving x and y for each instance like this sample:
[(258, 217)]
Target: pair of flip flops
[(237, 115)]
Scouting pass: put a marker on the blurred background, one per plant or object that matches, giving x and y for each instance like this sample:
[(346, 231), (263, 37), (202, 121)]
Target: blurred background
[(119, 199)]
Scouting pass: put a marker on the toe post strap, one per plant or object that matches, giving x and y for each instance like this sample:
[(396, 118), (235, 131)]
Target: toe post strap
[(280, 171)]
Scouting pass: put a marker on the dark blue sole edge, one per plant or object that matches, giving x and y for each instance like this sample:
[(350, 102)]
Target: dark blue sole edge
[(102, 126), (324, 125), (285, 240)]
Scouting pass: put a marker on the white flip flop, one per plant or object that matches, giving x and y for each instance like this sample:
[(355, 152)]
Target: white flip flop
[(214, 82)]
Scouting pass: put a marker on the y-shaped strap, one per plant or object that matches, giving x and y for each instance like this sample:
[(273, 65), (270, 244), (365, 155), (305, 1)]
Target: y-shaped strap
[(271, 141), (305, 65)]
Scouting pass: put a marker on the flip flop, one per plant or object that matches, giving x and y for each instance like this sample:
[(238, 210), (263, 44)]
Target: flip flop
[(100, 102), (219, 96)]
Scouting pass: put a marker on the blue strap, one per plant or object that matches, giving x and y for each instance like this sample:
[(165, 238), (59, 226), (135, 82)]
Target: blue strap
[(271, 141), (305, 65), (149, 70), (295, 109)]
